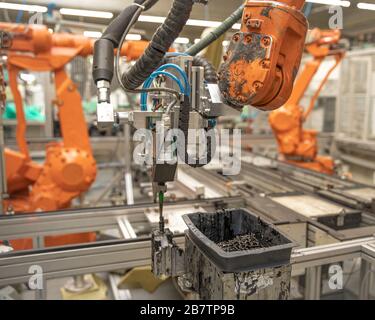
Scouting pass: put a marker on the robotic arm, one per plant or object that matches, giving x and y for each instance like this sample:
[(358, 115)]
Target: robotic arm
[(259, 69), (264, 56), (70, 167), (297, 145)]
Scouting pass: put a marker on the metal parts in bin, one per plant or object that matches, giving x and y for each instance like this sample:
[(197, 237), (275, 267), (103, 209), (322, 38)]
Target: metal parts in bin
[(211, 283), (258, 267), (208, 230), (261, 268)]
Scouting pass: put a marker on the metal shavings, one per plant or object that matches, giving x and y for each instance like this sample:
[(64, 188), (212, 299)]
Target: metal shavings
[(242, 243)]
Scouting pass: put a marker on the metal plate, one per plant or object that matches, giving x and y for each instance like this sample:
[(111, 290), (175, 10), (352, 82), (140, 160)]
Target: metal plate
[(309, 206), (364, 193)]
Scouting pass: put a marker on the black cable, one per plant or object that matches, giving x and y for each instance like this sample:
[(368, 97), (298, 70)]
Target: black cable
[(117, 62), (118, 26), (210, 74), (159, 45), (104, 47)]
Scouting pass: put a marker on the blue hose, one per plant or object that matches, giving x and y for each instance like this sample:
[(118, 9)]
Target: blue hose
[(307, 9), (179, 70), (160, 71), (20, 13), (148, 83)]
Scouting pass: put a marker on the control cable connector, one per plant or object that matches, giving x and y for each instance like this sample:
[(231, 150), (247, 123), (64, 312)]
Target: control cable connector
[(105, 111)]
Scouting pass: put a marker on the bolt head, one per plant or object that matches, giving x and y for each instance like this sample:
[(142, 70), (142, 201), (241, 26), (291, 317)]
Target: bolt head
[(236, 37), (266, 41)]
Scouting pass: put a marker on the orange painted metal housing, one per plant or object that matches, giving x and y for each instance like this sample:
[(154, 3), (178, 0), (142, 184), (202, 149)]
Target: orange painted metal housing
[(297, 145), (70, 168), (264, 57)]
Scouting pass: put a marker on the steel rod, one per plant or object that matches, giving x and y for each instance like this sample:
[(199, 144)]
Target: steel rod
[(216, 33)]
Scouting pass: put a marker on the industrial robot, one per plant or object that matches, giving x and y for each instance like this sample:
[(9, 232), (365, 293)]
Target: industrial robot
[(297, 145), (259, 69), (69, 168)]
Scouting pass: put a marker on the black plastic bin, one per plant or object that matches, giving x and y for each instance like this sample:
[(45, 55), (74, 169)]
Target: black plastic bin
[(209, 230), (346, 220)]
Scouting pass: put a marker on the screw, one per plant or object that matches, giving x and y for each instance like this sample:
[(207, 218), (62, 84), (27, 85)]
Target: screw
[(236, 38), (266, 41), (257, 85), (265, 64)]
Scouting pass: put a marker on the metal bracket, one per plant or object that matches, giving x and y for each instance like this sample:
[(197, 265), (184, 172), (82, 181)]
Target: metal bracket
[(168, 259)]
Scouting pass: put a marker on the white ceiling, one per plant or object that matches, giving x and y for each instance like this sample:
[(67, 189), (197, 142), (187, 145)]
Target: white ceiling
[(355, 21), (215, 10)]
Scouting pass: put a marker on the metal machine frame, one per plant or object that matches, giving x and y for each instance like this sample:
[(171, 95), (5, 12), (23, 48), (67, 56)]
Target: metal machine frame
[(126, 254), (132, 251)]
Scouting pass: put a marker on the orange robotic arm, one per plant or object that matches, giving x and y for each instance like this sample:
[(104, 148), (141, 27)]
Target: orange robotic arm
[(70, 167), (264, 56), (297, 145)]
